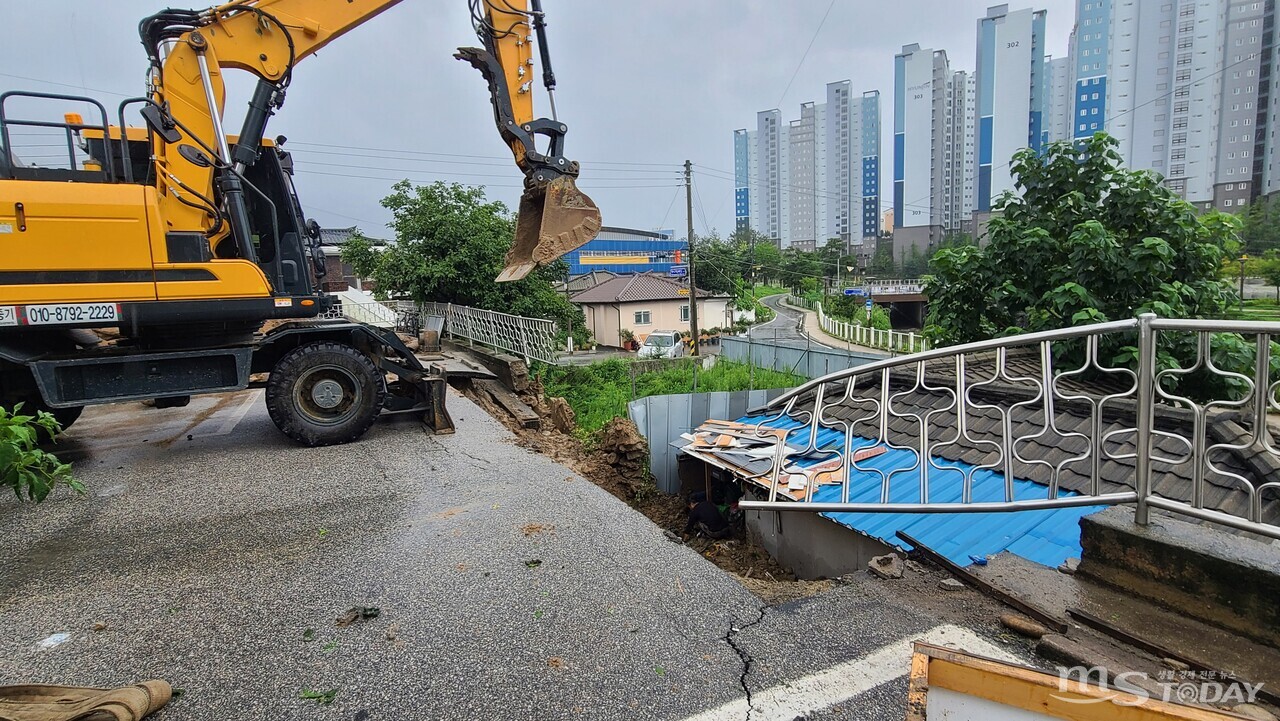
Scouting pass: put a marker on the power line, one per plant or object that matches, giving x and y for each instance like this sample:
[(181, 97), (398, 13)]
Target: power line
[(81, 88), (472, 163), (806, 54)]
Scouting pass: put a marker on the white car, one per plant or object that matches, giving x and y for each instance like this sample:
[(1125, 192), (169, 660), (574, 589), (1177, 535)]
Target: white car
[(662, 344)]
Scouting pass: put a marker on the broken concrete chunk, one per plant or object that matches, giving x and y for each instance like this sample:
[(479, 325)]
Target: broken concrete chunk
[(1023, 626), (562, 416), (951, 584), (1069, 566), (886, 566)]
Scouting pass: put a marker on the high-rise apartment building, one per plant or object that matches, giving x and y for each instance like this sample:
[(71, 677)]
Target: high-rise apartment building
[(933, 149), (1089, 58), (1010, 95), (813, 178), (743, 149), (1060, 92), (1185, 92)]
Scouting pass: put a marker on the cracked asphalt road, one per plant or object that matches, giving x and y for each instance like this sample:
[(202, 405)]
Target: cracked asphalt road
[(508, 586)]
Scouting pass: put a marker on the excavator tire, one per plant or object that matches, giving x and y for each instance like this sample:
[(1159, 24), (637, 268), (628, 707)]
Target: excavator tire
[(325, 393)]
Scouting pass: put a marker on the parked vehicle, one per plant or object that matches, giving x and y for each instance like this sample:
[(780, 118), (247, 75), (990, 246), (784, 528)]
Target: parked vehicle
[(662, 344)]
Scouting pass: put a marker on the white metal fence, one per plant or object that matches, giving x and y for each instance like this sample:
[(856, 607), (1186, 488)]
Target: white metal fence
[(890, 340), (530, 338)]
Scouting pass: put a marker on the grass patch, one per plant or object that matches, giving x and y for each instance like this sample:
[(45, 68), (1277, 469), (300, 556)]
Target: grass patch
[(599, 392), (761, 291)]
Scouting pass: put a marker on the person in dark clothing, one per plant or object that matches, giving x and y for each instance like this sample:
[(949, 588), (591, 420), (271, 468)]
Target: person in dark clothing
[(705, 518)]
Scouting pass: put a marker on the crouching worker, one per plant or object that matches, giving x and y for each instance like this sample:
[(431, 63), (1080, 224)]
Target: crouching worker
[(705, 518)]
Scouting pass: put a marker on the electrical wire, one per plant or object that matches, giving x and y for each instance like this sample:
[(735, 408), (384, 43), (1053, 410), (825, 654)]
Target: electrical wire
[(799, 65)]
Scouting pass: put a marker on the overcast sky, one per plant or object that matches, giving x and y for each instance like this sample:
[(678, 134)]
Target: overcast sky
[(642, 85)]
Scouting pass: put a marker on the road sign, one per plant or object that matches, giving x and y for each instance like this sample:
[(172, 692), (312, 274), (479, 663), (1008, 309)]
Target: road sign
[(678, 271), (869, 304), (850, 291)]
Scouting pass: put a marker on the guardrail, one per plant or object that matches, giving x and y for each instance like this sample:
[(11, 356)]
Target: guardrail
[(394, 315), (1042, 421), (890, 340), (529, 338)]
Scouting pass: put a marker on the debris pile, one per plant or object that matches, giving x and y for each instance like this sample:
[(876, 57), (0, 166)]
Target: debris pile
[(562, 416), (624, 449)]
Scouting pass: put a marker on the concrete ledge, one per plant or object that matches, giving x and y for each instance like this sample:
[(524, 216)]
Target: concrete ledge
[(1217, 577), (511, 371)]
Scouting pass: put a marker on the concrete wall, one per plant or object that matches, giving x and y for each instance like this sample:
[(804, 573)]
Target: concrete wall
[(810, 545), (1221, 578)]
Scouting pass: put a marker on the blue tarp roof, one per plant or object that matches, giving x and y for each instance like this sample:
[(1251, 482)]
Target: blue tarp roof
[(1047, 537)]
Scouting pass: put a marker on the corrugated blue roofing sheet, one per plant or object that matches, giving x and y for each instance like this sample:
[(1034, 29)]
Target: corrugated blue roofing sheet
[(1047, 537)]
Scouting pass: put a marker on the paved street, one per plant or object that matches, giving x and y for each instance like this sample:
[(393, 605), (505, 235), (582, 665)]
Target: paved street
[(508, 587), (782, 329)]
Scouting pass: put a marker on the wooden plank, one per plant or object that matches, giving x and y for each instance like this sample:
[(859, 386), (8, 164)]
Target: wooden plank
[(512, 404), (986, 587)]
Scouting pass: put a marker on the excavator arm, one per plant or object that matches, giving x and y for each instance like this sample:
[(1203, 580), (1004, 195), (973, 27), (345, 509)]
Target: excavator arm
[(201, 176)]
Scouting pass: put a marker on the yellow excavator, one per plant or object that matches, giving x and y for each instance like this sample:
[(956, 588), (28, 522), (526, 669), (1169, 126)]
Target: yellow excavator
[(186, 238)]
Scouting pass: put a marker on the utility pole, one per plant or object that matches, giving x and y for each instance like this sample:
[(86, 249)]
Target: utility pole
[(693, 284)]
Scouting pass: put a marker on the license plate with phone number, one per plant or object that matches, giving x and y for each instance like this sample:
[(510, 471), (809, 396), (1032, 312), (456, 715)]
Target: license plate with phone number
[(59, 314)]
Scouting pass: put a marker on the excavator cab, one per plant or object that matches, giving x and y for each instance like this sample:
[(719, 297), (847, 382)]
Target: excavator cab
[(185, 242)]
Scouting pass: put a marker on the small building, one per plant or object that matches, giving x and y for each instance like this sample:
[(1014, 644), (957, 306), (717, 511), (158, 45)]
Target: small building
[(341, 275), (645, 302), (624, 250)]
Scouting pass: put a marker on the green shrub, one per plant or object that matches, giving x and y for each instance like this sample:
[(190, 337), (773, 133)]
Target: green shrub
[(31, 472), (601, 391)]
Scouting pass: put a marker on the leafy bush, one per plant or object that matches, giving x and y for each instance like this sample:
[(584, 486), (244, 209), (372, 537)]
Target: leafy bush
[(601, 391), (31, 472)]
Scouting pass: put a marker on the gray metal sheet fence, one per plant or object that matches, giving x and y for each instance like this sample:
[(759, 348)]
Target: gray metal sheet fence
[(529, 338), (813, 362), (661, 419)]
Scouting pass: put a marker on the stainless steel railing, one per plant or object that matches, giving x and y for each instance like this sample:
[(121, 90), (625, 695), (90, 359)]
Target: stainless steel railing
[(1091, 415)]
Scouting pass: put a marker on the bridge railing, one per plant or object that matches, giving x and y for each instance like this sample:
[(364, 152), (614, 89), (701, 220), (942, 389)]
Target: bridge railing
[(530, 338), (1040, 421)]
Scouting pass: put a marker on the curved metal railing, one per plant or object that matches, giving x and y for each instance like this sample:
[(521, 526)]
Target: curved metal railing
[(1039, 421)]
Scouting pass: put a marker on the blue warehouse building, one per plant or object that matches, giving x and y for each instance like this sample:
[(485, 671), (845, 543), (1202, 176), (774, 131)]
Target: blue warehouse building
[(626, 250)]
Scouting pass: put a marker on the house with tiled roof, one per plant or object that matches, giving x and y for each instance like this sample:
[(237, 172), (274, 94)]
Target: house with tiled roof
[(645, 302), (341, 275)]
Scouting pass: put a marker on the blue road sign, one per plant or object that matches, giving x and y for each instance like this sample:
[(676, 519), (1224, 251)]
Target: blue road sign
[(678, 271), (869, 304), (850, 291)]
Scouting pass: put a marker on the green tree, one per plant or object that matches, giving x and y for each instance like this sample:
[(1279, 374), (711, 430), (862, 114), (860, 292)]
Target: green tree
[(798, 267), (1087, 241), (1261, 231), (719, 264), (882, 265), (767, 261), (914, 263), (450, 245)]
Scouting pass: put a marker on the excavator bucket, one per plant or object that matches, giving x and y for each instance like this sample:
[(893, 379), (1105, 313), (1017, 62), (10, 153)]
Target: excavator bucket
[(554, 218)]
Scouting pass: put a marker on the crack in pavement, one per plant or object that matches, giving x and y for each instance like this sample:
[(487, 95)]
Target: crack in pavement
[(747, 660)]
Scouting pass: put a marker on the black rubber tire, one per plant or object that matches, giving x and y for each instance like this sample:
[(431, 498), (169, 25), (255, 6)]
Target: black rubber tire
[(292, 387)]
